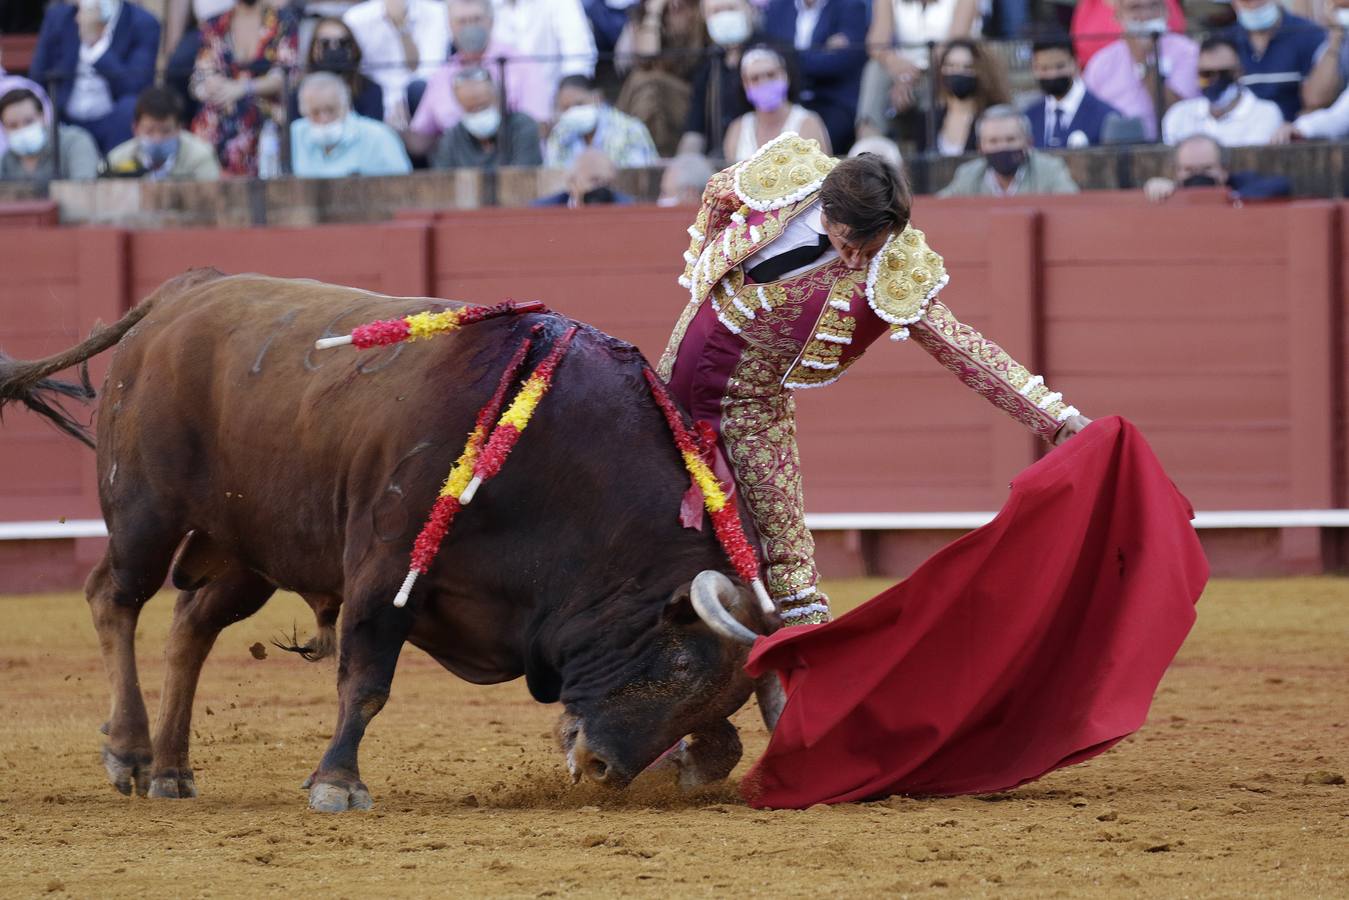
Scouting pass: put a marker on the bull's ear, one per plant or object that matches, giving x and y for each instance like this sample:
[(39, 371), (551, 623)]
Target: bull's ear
[(544, 681), (679, 608)]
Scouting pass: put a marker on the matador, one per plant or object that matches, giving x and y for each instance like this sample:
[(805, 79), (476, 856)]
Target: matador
[(797, 263)]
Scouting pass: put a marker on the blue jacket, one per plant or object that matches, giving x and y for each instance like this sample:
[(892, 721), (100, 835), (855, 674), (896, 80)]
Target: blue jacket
[(828, 77), (1090, 118), (128, 64)]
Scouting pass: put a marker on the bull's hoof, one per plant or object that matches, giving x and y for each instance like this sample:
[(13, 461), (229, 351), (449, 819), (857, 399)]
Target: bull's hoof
[(127, 770), (173, 784), (330, 798)]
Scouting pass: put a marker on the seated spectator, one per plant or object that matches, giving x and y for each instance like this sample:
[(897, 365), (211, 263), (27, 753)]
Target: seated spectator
[(1278, 50), (830, 38), (972, 80), (402, 42), (161, 149), (29, 156), (333, 48), (482, 139), (1008, 165), (333, 142), (1226, 111), (684, 179), (1325, 82), (1124, 74), (607, 20), (589, 182), (585, 120), (883, 147), (660, 49), (1200, 162), (1069, 115), (1330, 124), (15, 82), (239, 79), (897, 39), (553, 33), (717, 98), (1095, 25), (476, 45), (97, 57), (767, 84), (182, 32)]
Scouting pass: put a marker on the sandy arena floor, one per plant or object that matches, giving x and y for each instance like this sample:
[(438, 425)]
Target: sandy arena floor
[(1219, 795)]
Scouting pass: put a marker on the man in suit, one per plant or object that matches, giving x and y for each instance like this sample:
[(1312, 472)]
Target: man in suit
[(830, 41), (1008, 166), (1068, 115), (95, 59)]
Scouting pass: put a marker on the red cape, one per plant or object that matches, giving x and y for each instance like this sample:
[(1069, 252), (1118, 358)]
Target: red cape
[(1032, 643)]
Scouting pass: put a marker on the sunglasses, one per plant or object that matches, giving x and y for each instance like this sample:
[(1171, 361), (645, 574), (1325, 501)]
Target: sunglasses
[(333, 43), (1213, 74)]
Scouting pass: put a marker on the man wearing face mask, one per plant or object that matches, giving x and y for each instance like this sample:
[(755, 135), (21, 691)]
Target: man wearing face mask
[(1069, 115), (1125, 73), (333, 142), (1226, 111), (1200, 162), (97, 56), (717, 98), (482, 139), (797, 263), (28, 155), (1278, 52), (162, 149), (585, 120), (590, 182), (1008, 167)]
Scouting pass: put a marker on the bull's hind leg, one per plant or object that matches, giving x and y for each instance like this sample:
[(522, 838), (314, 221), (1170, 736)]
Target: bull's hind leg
[(198, 618)]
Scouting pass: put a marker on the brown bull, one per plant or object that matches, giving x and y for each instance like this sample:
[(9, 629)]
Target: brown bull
[(236, 459)]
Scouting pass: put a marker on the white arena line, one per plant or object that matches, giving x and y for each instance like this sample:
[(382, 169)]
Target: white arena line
[(935, 521)]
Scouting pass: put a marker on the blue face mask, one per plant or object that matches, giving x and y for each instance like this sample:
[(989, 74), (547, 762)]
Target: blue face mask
[(155, 153), (1261, 19)]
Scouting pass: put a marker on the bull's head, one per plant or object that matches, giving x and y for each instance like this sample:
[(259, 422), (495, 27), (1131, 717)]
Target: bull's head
[(689, 679)]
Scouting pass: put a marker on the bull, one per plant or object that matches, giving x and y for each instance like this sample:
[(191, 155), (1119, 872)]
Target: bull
[(234, 460)]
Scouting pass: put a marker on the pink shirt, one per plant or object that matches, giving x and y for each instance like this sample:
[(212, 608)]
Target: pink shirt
[(1112, 76), (526, 91)]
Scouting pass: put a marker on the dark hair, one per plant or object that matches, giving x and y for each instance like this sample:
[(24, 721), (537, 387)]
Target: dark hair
[(352, 76), (990, 76), (1216, 41), (866, 195), (1053, 42), (158, 102), (580, 82), (17, 96)]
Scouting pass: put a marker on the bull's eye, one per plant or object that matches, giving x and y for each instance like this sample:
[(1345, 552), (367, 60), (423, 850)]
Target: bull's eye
[(682, 663)]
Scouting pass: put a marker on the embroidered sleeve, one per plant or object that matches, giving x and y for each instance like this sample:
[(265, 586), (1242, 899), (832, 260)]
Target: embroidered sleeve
[(986, 367), (712, 218)]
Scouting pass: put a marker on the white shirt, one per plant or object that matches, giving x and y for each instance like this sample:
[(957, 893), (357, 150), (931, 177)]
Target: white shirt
[(1069, 104), (917, 23), (1251, 121), (1330, 123), (90, 96), (804, 230), (807, 17), (382, 58), (548, 28)]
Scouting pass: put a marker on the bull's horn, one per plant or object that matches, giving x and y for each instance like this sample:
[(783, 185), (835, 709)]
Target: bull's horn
[(710, 594)]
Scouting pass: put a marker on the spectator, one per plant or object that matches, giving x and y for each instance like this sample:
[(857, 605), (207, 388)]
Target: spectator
[(333, 142), (1095, 24), (684, 180), (554, 32), (1069, 115), (897, 39), (1199, 161), (482, 139), (182, 32), (96, 57), (14, 82), (1009, 166), (333, 48), (1278, 50), (589, 182), (476, 45), (717, 97), (1329, 124), (1124, 74), (1226, 111), (769, 90), (161, 149), (830, 37), (972, 80), (1325, 83), (607, 20), (402, 42), (239, 79), (660, 49), (585, 120), (29, 156), (883, 147)]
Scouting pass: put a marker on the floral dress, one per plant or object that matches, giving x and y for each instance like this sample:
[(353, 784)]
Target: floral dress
[(233, 130)]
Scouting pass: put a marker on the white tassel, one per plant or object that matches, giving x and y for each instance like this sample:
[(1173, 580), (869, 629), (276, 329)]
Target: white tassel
[(325, 343), (400, 599), (467, 496)]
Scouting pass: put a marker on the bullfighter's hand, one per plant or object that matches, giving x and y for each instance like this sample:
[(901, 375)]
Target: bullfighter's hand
[(1069, 428)]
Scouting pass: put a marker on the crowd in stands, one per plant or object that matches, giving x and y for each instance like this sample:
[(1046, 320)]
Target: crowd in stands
[(334, 88)]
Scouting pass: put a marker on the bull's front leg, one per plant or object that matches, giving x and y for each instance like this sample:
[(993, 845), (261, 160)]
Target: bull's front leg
[(373, 631)]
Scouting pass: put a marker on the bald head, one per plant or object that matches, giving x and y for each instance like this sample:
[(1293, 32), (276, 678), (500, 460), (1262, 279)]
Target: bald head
[(591, 169)]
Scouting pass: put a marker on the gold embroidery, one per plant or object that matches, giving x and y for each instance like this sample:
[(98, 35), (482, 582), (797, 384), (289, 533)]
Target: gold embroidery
[(903, 277), (782, 172)]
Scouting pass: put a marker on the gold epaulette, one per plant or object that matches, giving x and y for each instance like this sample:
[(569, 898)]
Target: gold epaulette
[(903, 278)]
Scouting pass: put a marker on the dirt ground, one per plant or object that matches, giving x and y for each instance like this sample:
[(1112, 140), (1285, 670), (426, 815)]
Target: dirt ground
[(1217, 796)]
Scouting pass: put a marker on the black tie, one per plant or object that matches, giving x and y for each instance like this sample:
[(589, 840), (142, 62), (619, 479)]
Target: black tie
[(773, 269)]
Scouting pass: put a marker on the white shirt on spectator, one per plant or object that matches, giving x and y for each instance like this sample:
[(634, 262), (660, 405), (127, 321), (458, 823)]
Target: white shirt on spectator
[(90, 96), (1330, 123), (1251, 121), (917, 23), (382, 57), (807, 17), (802, 231), (1068, 105), (557, 29)]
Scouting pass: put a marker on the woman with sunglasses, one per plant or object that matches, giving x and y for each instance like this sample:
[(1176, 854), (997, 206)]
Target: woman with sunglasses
[(334, 49)]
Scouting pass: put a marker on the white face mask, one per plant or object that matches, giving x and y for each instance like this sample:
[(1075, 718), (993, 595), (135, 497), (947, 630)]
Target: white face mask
[(1342, 16), (729, 28), (484, 123), (329, 134), (1148, 26), (1261, 18), (28, 140), (667, 201), (582, 119)]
